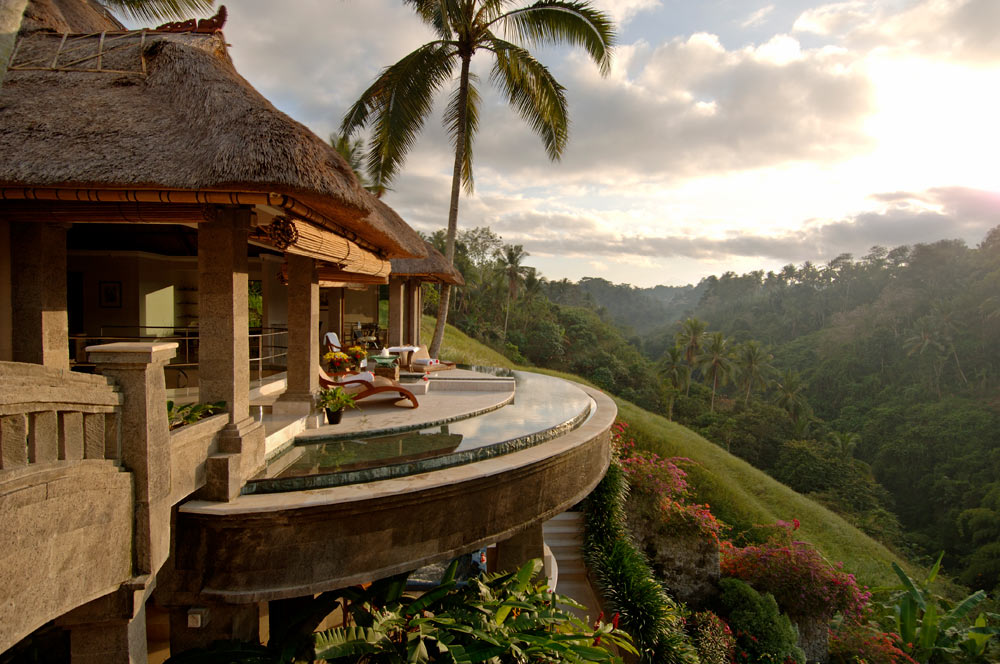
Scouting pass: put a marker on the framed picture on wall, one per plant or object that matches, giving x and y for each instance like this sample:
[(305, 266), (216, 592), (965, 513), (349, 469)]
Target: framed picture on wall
[(109, 295)]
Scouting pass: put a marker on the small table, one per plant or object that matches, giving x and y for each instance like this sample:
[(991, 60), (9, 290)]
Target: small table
[(404, 353), (385, 366)]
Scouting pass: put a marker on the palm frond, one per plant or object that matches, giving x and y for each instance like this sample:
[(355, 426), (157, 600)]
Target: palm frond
[(533, 92), (451, 119), (555, 21), (159, 10), (396, 105)]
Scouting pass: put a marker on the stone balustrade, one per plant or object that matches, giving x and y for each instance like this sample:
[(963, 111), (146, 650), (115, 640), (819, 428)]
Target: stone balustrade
[(49, 415)]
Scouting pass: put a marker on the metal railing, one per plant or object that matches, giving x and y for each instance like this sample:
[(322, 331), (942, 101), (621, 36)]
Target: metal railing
[(268, 346)]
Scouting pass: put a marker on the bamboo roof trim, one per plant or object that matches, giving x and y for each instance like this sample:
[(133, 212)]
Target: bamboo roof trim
[(434, 267), (298, 237)]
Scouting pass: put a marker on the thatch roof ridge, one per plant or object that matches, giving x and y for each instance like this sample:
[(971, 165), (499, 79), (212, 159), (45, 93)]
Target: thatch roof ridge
[(433, 267), (75, 16), (191, 122)]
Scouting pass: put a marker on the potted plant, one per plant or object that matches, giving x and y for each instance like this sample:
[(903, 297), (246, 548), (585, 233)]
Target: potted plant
[(339, 362), (357, 355), (334, 400)]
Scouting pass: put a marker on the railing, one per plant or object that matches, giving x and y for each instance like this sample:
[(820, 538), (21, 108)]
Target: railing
[(268, 347), (51, 415)]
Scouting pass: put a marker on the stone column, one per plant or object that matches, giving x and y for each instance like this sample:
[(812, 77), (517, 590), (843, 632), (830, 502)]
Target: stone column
[(303, 338), (397, 288), (40, 327), (145, 435), (411, 332), (224, 347), (519, 549), (335, 314)]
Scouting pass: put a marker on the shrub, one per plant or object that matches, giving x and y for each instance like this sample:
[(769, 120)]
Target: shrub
[(800, 579), (713, 638), (624, 578), (665, 483), (763, 634), (852, 643)]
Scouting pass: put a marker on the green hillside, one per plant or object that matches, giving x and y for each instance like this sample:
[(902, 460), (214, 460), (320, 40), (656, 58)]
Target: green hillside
[(738, 493)]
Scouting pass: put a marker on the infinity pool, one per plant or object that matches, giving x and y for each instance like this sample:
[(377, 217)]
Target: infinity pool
[(543, 408)]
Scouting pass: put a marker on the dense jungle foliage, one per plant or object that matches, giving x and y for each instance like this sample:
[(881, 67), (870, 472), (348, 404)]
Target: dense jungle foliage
[(870, 384)]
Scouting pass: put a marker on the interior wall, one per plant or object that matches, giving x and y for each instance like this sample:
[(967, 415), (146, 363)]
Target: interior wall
[(360, 306)]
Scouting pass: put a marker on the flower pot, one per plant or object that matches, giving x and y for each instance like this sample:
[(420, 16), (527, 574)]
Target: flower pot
[(333, 416)]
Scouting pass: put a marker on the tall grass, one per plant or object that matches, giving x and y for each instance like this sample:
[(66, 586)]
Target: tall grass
[(738, 493)]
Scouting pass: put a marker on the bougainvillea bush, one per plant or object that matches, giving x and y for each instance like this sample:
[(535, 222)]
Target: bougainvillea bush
[(663, 481), (852, 642), (801, 580)]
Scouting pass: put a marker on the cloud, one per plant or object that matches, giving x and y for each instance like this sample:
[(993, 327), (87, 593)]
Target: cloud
[(758, 17), (898, 218), (622, 11), (958, 30), (690, 107)]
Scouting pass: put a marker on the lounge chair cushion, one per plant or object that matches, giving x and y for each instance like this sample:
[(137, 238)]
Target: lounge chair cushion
[(364, 375)]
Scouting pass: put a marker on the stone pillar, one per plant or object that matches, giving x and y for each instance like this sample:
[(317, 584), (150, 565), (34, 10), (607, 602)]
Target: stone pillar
[(412, 309), (303, 338), (40, 327), (6, 326), (397, 289), (145, 435), (335, 314), (224, 348), (200, 625), (519, 549)]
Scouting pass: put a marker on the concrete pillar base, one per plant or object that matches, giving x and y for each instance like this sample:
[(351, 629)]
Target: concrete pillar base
[(241, 455), (519, 549)]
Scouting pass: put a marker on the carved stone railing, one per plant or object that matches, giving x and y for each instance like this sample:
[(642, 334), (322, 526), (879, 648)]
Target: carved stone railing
[(49, 415)]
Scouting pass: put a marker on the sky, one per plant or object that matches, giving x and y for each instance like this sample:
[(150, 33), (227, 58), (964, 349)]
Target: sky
[(729, 135)]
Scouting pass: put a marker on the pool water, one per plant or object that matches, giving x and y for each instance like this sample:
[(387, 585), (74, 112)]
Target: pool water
[(543, 408)]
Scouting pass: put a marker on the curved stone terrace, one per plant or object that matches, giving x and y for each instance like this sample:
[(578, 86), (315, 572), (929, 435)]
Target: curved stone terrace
[(306, 528), (464, 416)]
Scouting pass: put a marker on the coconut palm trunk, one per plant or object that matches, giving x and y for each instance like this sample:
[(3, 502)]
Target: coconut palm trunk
[(456, 190)]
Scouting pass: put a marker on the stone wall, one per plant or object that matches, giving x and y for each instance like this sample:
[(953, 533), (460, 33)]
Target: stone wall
[(65, 539)]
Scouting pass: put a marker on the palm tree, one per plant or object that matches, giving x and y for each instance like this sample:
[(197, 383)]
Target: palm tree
[(12, 11), (676, 375), (690, 339), (397, 103), (351, 151), (509, 261), (791, 397), (845, 443), (715, 363), (754, 365)]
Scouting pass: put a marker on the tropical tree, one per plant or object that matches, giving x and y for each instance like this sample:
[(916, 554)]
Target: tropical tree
[(676, 375), (351, 150), (12, 11), (690, 338), (754, 366), (715, 363), (509, 261), (791, 396), (397, 103), (845, 443)]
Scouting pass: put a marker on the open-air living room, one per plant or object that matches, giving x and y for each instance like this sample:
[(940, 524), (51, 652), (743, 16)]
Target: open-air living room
[(154, 249)]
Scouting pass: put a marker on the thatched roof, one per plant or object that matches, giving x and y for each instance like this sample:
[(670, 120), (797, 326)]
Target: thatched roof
[(434, 267), (74, 16), (168, 111)]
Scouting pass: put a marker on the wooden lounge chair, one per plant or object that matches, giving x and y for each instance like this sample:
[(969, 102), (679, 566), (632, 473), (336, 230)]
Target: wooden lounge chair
[(421, 360), (332, 342), (362, 388)]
